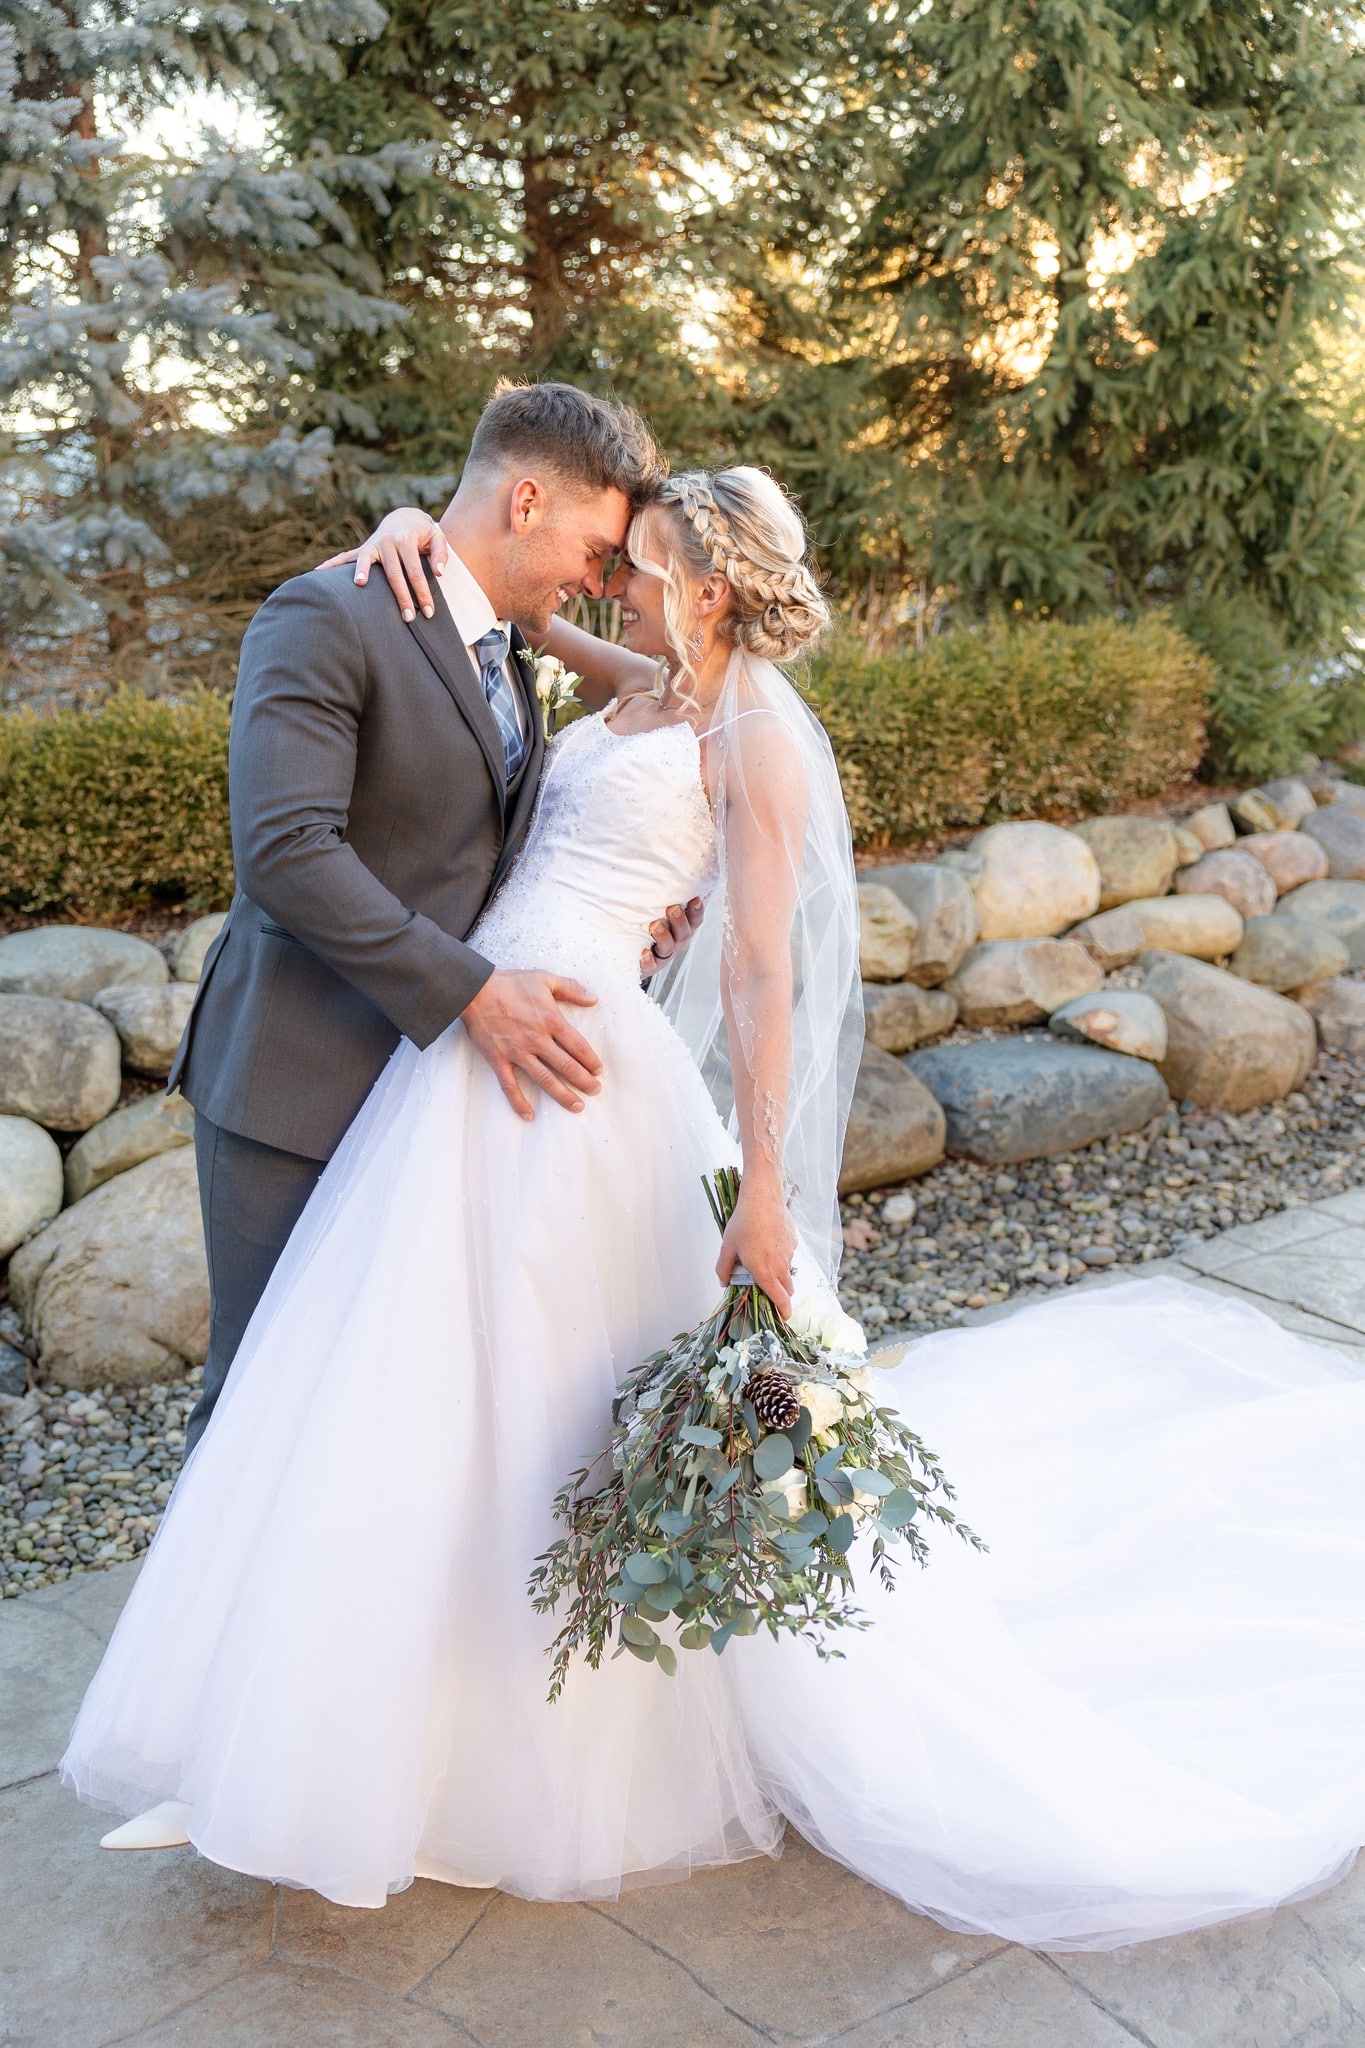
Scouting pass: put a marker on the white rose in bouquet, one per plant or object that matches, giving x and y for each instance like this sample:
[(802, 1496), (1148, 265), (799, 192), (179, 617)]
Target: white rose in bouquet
[(825, 1404), (820, 1320)]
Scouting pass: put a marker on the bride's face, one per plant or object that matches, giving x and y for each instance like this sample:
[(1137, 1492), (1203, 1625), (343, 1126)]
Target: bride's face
[(640, 593)]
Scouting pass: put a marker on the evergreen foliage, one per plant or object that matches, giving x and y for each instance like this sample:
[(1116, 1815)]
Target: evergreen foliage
[(1112, 244), (159, 313)]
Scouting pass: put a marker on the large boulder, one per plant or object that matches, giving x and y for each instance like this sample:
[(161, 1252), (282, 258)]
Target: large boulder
[(1339, 907), (886, 932), (158, 1123), (1188, 848), (30, 1180), (1340, 832), (1121, 1020), (895, 1127), (117, 1288), (1279, 806), (941, 902), (59, 1062), (75, 961), (1288, 953), (1232, 1045), (1019, 981), (1034, 881), (899, 1015), (1205, 927), (1024, 1098), (1136, 856), (149, 1022), (1338, 1009), (1212, 826), (187, 958), (1289, 858), (1236, 877), (1112, 939)]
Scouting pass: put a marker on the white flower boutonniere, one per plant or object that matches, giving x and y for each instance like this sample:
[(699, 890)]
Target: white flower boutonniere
[(555, 687)]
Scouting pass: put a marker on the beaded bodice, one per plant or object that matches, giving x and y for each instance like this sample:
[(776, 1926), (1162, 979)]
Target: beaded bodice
[(622, 829)]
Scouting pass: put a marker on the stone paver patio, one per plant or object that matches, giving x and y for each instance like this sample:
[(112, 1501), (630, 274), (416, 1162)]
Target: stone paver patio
[(99, 1949)]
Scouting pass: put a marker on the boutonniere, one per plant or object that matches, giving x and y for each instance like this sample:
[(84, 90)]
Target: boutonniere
[(555, 687)]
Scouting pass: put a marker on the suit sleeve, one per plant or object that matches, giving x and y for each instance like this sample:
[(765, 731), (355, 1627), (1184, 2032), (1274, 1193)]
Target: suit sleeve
[(301, 691)]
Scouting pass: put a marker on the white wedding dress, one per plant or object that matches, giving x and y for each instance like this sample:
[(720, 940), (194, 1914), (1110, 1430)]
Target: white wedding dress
[(1140, 1712)]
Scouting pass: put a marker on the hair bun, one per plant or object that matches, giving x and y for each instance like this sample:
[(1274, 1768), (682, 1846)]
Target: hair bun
[(749, 529)]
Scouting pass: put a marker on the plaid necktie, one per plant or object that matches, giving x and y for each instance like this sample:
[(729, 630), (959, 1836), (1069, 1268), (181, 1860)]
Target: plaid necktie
[(491, 649)]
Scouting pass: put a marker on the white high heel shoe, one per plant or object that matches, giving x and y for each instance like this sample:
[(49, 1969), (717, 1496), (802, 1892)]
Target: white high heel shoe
[(161, 1827)]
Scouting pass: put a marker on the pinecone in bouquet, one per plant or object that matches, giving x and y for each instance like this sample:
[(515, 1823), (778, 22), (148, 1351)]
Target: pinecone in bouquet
[(743, 1460)]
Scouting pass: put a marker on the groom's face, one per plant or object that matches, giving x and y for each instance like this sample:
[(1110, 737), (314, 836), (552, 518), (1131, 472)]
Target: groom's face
[(558, 542)]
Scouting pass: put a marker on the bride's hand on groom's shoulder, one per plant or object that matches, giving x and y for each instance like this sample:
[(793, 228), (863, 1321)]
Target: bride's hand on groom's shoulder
[(398, 544)]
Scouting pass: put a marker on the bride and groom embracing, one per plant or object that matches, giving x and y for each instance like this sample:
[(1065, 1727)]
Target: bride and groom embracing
[(451, 1150)]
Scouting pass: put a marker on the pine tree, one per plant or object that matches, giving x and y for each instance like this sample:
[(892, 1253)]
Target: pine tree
[(607, 180), (159, 315), (1113, 244)]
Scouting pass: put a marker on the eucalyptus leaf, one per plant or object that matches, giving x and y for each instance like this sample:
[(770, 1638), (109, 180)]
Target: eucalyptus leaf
[(866, 1480), (800, 1431), (773, 1456), (666, 1660), (840, 1532), (646, 1570), (897, 1509), (697, 1433), (637, 1632)]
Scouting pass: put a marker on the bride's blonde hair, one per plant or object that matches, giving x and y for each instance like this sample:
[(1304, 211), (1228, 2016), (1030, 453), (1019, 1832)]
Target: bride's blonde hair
[(740, 524)]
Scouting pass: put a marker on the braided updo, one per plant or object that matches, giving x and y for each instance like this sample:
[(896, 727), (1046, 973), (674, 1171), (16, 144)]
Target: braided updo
[(737, 522)]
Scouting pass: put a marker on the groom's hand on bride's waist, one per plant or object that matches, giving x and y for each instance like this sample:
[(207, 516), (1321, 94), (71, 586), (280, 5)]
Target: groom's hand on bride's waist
[(669, 934), (516, 1023)]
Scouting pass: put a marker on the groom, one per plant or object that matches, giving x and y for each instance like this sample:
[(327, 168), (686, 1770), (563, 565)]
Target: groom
[(383, 768)]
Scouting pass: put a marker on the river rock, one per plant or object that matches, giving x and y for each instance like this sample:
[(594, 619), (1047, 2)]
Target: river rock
[(895, 1127), (1289, 858), (1279, 806), (1025, 1098), (1339, 907), (886, 933), (59, 1062), (149, 1022), (1232, 1045), (1018, 981), (1236, 877), (1212, 826), (1136, 856), (1338, 1007), (30, 1180), (1350, 795), (1188, 848), (187, 958), (75, 961), (1112, 939), (117, 1288), (1121, 1020), (158, 1123), (1035, 881), (900, 1015), (941, 902), (1340, 832), (1205, 927), (1288, 953)]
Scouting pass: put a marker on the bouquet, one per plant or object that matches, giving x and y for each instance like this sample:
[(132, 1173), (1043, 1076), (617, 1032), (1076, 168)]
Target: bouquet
[(555, 687), (743, 1460)]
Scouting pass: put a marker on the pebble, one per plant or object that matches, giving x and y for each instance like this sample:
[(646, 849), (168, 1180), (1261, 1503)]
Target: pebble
[(84, 1477), (980, 1235)]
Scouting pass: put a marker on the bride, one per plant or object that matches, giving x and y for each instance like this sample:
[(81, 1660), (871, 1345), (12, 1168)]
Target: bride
[(1138, 1713)]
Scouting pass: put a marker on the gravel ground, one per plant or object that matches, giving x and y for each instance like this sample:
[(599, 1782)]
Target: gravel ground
[(981, 1233), (83, 1477)]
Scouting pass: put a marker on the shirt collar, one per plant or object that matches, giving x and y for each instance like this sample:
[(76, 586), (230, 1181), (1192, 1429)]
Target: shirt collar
[(470, 607)]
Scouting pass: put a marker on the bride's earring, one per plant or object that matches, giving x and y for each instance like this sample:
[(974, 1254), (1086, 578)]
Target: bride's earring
[(698, 641)]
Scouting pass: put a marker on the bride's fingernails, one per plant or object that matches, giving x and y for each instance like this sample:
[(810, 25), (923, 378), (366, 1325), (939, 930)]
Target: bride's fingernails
[(427, 611), (408, 616)]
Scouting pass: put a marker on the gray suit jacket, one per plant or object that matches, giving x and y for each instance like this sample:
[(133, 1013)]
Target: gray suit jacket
[(371, 822)]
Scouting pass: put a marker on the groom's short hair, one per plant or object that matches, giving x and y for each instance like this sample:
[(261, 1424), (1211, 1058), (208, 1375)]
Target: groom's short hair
[(596, 442)]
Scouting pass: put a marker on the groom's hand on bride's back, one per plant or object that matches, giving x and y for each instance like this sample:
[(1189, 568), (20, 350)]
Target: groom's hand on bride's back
[(516, 1023)]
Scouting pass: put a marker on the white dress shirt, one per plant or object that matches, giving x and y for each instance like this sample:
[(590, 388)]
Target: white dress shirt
[(473, 613)]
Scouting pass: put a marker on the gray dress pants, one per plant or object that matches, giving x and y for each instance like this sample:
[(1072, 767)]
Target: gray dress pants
[(252, 1196)]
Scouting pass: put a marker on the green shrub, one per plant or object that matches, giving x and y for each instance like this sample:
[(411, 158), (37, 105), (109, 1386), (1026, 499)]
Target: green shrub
[(117, 808), (1011, 722), (1269, 708)]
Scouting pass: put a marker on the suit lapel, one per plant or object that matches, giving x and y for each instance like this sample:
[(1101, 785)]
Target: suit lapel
[(445, 650)]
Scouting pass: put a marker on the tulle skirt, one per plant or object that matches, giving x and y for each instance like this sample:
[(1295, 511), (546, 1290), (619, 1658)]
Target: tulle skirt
[(1139, 1712)]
